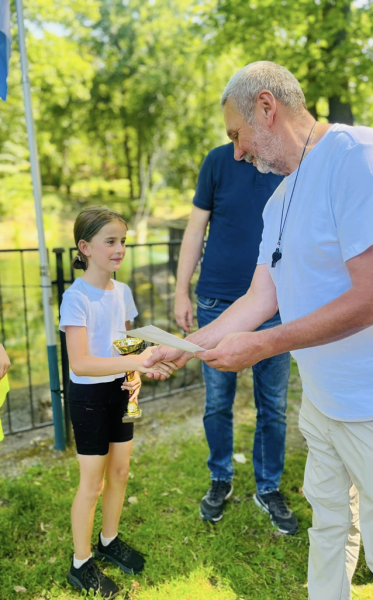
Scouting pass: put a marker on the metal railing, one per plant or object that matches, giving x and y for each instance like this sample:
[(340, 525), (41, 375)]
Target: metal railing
[(149, 270)]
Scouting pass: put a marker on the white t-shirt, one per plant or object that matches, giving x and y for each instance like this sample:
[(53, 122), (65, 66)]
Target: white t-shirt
[(330, 221), (104, 314)]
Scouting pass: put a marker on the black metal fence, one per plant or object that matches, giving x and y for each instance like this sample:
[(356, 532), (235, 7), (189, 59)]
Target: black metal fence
[(149, 269)]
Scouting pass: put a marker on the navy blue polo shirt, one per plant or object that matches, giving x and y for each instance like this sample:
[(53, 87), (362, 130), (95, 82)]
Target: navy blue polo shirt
[(235, 193)]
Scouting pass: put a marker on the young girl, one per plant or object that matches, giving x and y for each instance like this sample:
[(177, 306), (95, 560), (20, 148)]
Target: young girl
[(94, 311)]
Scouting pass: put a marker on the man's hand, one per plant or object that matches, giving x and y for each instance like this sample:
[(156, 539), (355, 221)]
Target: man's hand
[(4, 362), (236, 352), (183, 311), (164, 354), (159, 369)]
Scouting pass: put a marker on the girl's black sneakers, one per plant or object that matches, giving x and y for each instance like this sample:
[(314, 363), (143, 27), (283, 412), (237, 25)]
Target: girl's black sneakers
[(89, 576), (121, 555)]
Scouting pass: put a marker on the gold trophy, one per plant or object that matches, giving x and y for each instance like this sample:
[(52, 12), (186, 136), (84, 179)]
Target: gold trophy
[(125, 347)]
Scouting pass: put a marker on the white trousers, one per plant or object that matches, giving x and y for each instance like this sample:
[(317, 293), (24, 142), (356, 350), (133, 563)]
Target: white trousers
[(338, 483)]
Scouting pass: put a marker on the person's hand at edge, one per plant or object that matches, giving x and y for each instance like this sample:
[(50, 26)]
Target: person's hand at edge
[(4, 362)]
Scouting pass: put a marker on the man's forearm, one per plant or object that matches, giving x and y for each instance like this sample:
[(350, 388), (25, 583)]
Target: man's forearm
[(246, 314), (341, 318)]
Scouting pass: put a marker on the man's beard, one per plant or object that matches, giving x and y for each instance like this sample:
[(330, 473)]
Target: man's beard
[(267, 144)]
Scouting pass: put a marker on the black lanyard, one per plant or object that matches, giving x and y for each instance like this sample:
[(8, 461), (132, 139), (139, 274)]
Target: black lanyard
[(277, 255)]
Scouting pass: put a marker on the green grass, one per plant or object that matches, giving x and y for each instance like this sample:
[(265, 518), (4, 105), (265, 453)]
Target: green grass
[(242, 557)]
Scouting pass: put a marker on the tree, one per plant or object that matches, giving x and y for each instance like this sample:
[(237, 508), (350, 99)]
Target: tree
[(325, 43)]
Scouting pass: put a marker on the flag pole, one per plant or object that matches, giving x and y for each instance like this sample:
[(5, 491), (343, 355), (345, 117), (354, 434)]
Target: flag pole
[(46, 286)]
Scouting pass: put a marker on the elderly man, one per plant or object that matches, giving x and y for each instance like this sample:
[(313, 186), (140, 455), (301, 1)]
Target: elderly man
[(316, 264)]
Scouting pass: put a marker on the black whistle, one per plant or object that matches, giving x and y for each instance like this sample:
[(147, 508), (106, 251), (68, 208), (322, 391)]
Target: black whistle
[(276, 256)]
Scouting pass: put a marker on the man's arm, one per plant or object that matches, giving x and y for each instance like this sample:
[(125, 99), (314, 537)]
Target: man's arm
[(246, 314), (190, 253), (346, 315)]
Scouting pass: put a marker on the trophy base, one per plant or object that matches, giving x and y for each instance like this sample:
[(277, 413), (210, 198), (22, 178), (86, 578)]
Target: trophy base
[(128, 418)]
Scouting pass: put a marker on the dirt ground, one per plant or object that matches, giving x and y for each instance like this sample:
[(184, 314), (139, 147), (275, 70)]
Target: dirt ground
[(176, 417)]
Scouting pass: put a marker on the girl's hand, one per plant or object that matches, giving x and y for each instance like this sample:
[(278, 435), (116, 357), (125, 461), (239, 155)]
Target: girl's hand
[(164, 354), (165, 369), (145, 354), (133, 386), (4, 362)]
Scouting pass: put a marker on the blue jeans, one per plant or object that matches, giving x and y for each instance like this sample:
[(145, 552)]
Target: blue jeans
[(271, 378)]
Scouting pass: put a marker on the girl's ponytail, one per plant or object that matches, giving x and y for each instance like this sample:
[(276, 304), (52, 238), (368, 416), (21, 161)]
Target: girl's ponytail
[(79, 262)]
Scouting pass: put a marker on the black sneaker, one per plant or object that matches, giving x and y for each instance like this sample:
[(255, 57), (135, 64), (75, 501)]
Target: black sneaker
[(282, 517), (117, 552), (212, 505), (89, 577)]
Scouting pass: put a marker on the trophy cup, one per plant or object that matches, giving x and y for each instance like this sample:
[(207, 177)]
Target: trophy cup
[(125, 347)]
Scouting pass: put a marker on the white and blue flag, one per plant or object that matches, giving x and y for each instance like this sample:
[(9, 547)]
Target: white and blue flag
[(4, 46)]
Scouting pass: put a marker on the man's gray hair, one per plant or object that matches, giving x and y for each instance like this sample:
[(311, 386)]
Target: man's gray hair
[(244, 87)]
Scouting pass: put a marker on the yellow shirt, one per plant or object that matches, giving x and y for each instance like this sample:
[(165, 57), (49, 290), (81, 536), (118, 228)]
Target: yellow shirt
[(4, 389)]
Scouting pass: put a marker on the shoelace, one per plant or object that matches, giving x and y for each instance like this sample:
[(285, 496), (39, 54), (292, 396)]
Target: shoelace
[(123, 550), (217, 489), (92, 574), (278, 499), (120, 548)]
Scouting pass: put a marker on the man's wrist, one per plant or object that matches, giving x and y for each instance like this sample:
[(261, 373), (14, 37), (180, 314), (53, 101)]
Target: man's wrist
[(182, 292), (268, 343), (186, 356)]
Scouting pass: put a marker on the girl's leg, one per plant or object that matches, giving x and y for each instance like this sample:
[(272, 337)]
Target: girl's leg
[(117, 469), (92, 469), (117, 551)]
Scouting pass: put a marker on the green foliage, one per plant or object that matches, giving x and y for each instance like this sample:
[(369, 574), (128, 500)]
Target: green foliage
[(130, 90), (325, 43), (121, 90)]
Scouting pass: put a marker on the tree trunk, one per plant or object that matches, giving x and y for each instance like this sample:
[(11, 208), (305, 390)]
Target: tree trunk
[(339, 112), (139, 162), (66, 175), (144, 180), (150, 169), (313, 111), (128, 161)]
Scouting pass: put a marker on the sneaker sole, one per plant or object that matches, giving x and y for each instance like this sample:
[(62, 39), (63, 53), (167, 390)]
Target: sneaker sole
[(215, 519), (125, 569), (264, 509), (76, 583)]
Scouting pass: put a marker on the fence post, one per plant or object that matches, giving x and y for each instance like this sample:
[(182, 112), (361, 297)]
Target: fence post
[(64, 357)]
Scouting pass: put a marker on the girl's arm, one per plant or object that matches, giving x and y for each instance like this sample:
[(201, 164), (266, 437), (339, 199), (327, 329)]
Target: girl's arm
[(93, 366)]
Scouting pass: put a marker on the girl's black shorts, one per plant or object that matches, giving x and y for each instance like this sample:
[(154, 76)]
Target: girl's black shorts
[(96, 411)]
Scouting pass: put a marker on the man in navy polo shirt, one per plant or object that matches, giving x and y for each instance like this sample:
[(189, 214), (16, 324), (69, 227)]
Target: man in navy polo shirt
[(230, 197)]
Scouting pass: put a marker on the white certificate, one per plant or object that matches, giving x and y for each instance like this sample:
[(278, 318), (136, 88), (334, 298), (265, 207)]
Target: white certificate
[(150, 333)]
